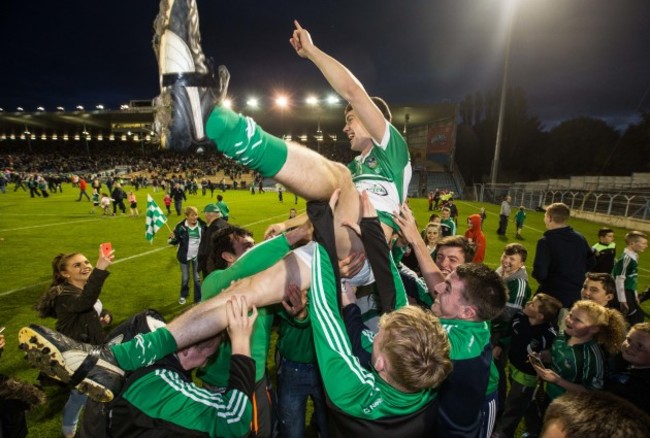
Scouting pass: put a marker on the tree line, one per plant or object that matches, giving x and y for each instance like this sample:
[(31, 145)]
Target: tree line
[(578, 146)]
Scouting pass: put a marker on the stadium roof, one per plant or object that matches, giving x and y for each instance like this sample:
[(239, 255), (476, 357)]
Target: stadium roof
[(295, 120)]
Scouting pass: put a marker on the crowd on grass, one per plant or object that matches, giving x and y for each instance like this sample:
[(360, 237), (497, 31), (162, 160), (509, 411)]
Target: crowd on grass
[(579, 340)]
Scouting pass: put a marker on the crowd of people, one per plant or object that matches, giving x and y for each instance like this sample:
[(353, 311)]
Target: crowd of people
[(382, 349)]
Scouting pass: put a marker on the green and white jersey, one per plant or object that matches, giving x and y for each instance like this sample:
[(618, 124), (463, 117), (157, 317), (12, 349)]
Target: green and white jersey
[(385, 173), (626, 273), (518, 293), (257, 259), (351, 388), (581, 363)]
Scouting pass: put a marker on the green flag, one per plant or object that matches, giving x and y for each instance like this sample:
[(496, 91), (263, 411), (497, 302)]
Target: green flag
[(155, 219)]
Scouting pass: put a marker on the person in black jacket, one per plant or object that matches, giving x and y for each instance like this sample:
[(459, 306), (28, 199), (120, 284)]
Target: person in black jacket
[(73, 299), (187, 235), (119, 195), (178, 195), (563, 257)]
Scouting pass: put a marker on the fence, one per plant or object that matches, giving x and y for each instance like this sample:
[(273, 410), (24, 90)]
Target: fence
[(617, 207)]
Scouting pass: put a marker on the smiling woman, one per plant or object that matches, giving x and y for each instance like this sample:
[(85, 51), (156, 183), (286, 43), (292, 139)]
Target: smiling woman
[(73, 299)]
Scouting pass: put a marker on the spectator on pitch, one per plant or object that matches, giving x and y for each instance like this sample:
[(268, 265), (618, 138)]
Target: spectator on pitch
[(133, 205), (625, 273), (118, 195), (634, 384), (177, 194), (600, 288), (562, 259), (187, 235), (71, 299), (167, 200), (604, 251), (594, 413), (83, 185), (475, 234), (577, 361), (447, 224), (520, 217), (504, 215), (214, 224), (531, 330), (223, 207)]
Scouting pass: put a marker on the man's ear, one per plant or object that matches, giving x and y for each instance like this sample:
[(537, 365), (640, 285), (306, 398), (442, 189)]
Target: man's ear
[(469, 312), (228, 256)]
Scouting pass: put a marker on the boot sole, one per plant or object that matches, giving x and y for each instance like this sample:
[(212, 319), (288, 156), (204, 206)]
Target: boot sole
[(45, 356)]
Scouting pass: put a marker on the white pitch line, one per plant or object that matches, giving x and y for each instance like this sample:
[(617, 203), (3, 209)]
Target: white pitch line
[(46, 225)]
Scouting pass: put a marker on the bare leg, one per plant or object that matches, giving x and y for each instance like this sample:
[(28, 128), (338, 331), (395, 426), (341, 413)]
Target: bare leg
[(268, 287)]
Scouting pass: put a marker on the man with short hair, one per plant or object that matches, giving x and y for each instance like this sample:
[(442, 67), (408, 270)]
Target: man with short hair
[(504, 215), (214, 223), (187, 235), (563, 257)]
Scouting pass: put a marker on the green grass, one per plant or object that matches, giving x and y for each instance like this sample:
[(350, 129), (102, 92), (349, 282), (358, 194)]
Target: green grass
[(33, 231)]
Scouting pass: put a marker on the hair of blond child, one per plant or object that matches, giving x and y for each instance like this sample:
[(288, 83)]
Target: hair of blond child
[(596, 413), (613, 328), (642, 327), (417, 348), (635, 236)]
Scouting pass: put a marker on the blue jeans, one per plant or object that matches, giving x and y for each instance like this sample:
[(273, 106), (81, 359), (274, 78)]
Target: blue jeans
[(71, 411), (296, 382), (185, 280)]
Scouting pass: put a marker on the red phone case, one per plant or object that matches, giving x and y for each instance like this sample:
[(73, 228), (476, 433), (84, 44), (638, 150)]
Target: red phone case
[(106, 248)]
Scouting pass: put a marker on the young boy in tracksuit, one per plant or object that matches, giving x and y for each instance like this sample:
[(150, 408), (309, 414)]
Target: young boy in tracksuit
[(531, 330)]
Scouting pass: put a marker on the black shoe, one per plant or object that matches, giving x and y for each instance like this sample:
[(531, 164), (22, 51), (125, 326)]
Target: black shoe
[(191, 89), (92, 370)]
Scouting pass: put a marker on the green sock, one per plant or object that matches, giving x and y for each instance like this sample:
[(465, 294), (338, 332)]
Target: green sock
[(238, 137), (144, 349)]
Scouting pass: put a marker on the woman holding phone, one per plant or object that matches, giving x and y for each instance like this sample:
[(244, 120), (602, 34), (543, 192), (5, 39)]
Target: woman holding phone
[(73, 299)]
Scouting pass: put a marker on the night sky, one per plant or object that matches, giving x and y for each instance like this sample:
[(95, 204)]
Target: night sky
[(572, 57)]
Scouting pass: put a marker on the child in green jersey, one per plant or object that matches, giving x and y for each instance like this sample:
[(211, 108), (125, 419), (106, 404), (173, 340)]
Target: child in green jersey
[(577, 361), (625, 273)]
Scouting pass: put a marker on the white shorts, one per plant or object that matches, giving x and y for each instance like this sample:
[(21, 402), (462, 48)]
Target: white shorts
[(364, 276)]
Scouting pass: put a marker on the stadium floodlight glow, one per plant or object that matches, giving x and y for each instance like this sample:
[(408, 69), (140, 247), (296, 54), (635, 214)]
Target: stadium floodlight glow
[(2, 110), (55, 137), (27, 132), (124, 107), (43, 136), (65, 137), (282, 101), (99, 107), (332, 99), (227, 103), (123, 137), (80, 108), (12, 137), (111, 137), (60, 108), (100, 137), (20, 108), (311, 100), (76, 137), (40, 108), (252, 102)]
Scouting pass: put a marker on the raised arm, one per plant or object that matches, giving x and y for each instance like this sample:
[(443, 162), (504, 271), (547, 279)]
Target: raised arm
[(343, 82)]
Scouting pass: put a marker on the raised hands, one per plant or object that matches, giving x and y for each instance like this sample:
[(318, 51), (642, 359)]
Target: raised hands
[(240, 324), (301, 41)]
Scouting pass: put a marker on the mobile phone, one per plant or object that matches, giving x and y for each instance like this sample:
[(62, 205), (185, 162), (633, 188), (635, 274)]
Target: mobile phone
[(536, 361), (106, 248)]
